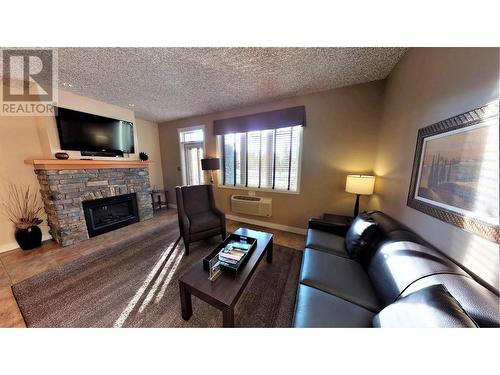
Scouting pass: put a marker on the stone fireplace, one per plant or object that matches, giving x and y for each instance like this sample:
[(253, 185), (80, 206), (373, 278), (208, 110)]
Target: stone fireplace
[(66, 191)]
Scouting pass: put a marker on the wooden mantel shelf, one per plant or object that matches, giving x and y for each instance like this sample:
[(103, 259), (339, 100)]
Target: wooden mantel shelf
[(86, 164)]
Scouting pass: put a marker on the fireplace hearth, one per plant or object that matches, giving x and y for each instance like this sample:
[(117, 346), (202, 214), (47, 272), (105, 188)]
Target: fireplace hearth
[(107, 214)]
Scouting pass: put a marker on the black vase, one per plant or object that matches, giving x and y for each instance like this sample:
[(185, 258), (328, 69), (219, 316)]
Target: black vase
[(29, 238)]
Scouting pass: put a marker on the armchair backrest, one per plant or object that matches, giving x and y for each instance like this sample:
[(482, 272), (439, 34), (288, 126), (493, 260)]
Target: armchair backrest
[(194, 199)]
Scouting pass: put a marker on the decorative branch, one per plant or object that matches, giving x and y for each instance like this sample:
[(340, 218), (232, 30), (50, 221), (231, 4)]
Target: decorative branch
[(23, 206)]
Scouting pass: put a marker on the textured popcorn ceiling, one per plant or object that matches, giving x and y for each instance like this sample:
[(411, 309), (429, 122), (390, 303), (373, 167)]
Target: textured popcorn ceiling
[(170, 83)]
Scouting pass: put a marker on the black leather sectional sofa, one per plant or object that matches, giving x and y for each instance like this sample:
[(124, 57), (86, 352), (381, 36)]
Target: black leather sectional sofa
[(382, 274)]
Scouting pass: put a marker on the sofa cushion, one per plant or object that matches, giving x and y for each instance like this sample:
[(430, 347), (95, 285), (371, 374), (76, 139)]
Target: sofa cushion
[(431, 307), (361, 235), (340, 276), (396, 265), (405, 235), (480, 303), (315, 308), (203, 221), (324, 241), (386, 223)]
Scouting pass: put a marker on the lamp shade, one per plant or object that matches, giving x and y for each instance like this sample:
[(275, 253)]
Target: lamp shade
[(359, 184), (210, 164)]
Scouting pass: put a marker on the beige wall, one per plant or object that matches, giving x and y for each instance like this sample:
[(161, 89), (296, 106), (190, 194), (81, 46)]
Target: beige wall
[(340, 137), (29, 137), (429, 85), (149, 142)]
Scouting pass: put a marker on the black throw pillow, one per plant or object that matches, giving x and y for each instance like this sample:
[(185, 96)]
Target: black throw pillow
[(430, 307), (361, 235)]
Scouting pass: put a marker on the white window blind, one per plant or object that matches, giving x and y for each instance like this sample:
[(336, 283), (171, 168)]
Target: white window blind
[(265, 159), (229, 159), (254, 155), (241, 151)]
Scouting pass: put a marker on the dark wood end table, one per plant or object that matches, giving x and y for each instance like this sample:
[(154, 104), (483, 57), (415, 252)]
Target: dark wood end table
[(224, 292), (158, 204), (340, 221)]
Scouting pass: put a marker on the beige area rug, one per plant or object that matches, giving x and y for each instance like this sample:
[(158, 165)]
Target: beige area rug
[(136, 285)]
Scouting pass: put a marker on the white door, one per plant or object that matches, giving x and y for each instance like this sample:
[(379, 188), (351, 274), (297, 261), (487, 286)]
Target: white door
[(193, 153)]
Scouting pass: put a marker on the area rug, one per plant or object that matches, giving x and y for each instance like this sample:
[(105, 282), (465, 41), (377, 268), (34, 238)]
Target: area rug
[(136, 285)]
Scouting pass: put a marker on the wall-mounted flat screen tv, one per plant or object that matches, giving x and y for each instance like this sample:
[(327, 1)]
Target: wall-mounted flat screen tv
[(80, 131)]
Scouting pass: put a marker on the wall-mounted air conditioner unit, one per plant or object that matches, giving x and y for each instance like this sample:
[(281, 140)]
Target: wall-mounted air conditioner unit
[(250, 205)]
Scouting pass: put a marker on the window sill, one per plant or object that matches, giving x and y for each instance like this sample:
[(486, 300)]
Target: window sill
[(232, 187)]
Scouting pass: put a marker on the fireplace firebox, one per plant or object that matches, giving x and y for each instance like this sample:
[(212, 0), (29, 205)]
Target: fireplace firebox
[(107, 214)]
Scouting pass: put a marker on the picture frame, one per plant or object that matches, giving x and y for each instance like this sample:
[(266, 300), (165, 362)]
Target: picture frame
[(214, 270), (455, 176)]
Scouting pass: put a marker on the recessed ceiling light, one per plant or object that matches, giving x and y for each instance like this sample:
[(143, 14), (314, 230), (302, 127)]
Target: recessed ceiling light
[(131, 105)]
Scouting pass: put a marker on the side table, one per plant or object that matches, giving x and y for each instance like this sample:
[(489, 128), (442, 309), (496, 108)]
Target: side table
[(341, 222), (158, 204), (338, 219)]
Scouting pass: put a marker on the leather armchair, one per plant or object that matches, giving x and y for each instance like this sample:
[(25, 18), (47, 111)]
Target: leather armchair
[(199, 218)]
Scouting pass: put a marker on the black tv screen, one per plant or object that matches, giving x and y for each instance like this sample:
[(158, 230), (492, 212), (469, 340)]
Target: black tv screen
[(79, 131)]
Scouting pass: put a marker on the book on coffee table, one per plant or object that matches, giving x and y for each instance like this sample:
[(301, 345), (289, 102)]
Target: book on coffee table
[(232, 254), (241, 245)]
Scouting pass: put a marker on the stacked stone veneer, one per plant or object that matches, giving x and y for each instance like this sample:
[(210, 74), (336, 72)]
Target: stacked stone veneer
[(63, 192)]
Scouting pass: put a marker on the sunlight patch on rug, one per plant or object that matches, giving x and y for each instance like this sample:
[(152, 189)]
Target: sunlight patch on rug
[(166, 274), (140, 292)]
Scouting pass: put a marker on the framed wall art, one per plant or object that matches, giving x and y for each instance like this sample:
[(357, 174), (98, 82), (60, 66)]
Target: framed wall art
[(455, 175)]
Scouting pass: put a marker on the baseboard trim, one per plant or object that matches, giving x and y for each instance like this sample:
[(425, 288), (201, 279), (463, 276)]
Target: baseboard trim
[(267, 224), (13, 245)]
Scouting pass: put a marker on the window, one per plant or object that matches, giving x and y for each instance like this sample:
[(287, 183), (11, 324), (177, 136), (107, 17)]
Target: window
[(192, 150), (264, 159)]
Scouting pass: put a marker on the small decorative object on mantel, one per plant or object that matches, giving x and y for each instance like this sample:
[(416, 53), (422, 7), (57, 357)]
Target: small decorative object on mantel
[(455, 171), (23, 207), (62, 155), (143, 156)]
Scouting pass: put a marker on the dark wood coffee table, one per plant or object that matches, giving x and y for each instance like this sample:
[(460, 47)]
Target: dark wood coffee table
[(224, 292)]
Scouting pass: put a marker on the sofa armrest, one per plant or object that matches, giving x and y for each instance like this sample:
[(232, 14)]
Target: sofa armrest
[(325, 226)]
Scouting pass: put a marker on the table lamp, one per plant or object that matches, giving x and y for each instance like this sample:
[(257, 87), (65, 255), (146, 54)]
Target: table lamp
[(210, 164), (359, 185)]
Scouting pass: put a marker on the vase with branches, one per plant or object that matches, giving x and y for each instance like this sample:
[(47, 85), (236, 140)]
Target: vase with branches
[(23, 207)]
